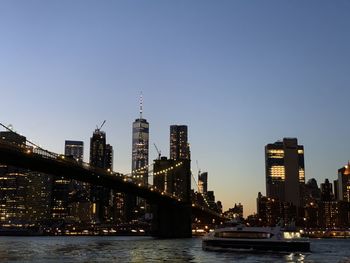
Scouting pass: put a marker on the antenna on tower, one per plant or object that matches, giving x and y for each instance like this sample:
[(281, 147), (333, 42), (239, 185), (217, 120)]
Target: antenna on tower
[(141, 105)]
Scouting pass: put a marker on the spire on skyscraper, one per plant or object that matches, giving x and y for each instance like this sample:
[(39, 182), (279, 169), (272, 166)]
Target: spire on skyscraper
[(141, 105)]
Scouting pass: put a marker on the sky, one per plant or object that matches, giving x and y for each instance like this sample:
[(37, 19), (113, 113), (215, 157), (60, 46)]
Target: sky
[(240, 74)]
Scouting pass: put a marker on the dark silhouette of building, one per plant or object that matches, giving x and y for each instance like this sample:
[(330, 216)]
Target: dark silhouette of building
[(100, 156), (271, 210), (235, 212), (179, 146), (326, 191), (285, 172)]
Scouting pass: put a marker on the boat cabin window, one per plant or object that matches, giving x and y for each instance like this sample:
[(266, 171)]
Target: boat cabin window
[(239, 234)]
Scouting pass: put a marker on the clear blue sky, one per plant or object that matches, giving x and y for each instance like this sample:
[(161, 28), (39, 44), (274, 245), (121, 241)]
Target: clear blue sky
[(240, 74)]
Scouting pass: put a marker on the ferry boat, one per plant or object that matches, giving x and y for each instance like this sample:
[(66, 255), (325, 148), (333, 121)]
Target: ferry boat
[(264, 239)]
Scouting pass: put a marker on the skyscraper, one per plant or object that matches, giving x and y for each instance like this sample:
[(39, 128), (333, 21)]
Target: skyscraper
[(179, 146), (100, 156), (63, 188), (79, 203), (285, 172), (13, 184), (140, 148), (344, 183)]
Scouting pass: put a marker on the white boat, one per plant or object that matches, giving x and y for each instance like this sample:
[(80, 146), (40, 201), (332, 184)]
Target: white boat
[(241, 237)]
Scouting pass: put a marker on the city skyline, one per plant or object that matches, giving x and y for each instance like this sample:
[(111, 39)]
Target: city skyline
[(238, 75)]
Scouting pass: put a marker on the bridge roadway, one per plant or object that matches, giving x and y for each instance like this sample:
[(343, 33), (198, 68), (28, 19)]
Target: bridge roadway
[(41, 160)]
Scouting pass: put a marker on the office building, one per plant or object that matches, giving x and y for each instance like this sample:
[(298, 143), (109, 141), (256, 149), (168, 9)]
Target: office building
[(179, 146), (285, 171), (140, 148), (344, 183), (13, 184)]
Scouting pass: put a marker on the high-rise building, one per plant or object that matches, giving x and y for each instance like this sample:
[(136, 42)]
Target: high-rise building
[(179, 146), (63, 189), (285, 171), (38, 197), (100, 156), (79, 203), (344, 183), (140, 148), (203, 182), (326, 191), (13, 184)]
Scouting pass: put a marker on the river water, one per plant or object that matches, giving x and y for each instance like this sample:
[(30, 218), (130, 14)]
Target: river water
[(146, 249)]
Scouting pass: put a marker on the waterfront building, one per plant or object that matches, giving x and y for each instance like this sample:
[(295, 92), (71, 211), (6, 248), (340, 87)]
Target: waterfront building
[(235, 212), (179, 146), (271, 210), (285, 171), (344, 183), (13, 184), (38, 197), (203, 182)]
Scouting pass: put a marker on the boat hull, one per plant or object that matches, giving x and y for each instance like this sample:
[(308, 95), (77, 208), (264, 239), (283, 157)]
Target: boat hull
[(280, 246)]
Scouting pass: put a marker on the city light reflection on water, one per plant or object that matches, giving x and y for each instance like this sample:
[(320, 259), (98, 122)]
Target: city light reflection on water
[(146, 249)]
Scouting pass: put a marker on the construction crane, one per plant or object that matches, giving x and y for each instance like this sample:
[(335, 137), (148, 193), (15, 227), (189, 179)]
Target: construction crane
[(159, 153), (199, 169), (103, 123)]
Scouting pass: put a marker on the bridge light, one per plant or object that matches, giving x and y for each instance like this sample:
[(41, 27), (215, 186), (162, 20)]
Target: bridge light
[(28, 151)]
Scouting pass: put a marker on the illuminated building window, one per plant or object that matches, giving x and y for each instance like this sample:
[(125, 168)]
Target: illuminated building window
[(301, 175), (277, 171), (276, 154)]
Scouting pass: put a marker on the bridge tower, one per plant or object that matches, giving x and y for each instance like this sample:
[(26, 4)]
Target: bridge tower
[(172, 177)]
